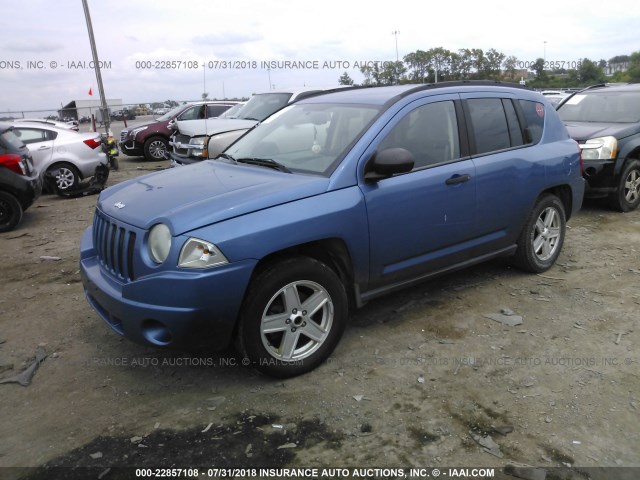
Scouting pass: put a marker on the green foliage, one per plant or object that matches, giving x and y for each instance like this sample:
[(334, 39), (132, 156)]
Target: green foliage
[(439, 65), (345, 79)]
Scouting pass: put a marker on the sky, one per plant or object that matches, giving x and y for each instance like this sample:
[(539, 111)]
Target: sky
[(45, 53)]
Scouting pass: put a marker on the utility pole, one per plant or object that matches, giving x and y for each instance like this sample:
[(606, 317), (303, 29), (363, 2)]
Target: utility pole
[(96, 63)]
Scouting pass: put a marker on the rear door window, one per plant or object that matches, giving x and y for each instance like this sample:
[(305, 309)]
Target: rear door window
[(34, 135), (489, 124)]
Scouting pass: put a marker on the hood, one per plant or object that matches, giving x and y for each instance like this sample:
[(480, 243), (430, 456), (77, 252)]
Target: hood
[(582, 131), (206, 192), (152, 124), (211, 126)]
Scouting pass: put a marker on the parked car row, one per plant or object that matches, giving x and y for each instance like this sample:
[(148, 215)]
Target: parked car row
[(336, 199), (123, 115), (151, 139)]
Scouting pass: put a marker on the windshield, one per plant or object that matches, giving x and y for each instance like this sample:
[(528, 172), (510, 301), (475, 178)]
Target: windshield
[(232, 112), (171, 113), (262, 105), (602, 107), (307, 138)]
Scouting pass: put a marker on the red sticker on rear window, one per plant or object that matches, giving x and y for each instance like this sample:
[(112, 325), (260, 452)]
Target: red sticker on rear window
[(540, 109)]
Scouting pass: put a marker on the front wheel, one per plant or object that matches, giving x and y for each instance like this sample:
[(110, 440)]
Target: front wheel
[(156, 148), (627, 194), (293, 317), (542, 237)]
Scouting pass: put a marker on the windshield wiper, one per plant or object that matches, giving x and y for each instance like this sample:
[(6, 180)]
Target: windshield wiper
[(264, 162), (226, 156), (249, 118)]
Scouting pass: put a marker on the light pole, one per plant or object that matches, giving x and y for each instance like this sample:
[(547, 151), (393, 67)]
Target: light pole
[(96, 63), (396, 33), (544, 54)]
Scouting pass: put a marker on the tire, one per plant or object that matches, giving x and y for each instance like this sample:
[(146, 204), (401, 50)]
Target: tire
[(10, 212), (155, 148), (542, 237), (307, 306), (627, 195), (66, 178)]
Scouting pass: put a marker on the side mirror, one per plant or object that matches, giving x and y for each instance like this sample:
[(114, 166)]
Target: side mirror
[(172, 125), (387, 163)]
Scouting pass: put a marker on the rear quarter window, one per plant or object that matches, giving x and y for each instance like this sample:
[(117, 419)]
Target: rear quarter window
[(216, 110), (534, 118), (10, 143)]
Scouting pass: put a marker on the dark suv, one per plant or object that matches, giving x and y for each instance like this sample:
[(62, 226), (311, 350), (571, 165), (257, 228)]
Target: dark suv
[(337, 199), (151, 140), (605, 120), (20, 183)]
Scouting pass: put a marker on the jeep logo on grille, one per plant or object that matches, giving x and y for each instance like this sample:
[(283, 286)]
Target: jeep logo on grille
[(119, 205)]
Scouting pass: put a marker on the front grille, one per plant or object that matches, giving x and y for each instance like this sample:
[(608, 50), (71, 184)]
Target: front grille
[(123, 135), (182, 138), (115, 246)]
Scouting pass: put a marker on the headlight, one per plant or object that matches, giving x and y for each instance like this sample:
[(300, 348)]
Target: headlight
[(197, 253), (159, 242), (136, 131), (601, 148), (198, 145)]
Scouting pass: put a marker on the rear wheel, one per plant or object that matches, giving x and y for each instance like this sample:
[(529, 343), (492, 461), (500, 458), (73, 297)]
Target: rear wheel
[(10, 212), (627, 194), (66, 176), (293, 317), (542, 237), (156, 148)]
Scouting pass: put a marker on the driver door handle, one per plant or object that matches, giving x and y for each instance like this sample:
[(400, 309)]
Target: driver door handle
[(457, 178)]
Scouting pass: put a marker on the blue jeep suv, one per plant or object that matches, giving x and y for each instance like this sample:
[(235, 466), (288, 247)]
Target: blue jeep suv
[(330, 202)]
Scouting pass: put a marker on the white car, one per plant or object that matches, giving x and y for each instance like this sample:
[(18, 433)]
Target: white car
[(74, 156), (71, 125)]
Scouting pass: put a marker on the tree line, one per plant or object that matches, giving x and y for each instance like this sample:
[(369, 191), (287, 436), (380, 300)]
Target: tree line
[(439, 65)]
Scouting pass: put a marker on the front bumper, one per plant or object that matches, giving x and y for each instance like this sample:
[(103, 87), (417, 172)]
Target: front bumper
[(131, 148), (180, 160), (600, 177), (176, 308)]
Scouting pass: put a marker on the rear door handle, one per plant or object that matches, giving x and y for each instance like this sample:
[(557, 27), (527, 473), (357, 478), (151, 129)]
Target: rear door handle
[(44, 147), (457, 178)]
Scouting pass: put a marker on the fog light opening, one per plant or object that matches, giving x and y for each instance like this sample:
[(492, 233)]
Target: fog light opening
[(156, 333)]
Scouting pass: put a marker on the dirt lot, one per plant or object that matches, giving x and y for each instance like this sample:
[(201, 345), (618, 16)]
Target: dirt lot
[(417, 375)]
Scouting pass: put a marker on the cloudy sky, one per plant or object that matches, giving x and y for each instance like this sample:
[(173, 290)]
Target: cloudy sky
[(45, 52)]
